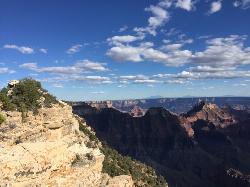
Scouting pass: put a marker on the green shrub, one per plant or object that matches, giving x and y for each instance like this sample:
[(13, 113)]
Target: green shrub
[(115, 164), (2, 118), (49, 100), (26, 96), (89, 156), (87, 132), (6, 103)]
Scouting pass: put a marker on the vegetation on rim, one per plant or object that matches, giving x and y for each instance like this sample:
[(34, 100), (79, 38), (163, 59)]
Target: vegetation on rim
[(25, 96), (116, 164), (2, 118)]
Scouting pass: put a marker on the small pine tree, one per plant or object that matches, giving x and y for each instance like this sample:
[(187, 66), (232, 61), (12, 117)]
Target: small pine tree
[(26, 96), (2, 118)]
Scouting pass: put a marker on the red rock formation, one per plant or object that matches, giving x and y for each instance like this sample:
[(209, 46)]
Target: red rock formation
[(137, 112)]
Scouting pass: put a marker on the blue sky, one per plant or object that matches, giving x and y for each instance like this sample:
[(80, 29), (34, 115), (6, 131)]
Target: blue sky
[(116, 49)]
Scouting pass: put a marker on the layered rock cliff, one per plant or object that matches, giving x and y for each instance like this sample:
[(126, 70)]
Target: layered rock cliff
[(48, 149), (199, 148)]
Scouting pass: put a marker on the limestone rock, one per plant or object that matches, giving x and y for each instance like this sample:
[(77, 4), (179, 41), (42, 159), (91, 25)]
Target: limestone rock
[(48, 149), (122, 180)]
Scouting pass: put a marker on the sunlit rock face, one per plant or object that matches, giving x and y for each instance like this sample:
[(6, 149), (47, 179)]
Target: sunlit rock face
[(48, 149)]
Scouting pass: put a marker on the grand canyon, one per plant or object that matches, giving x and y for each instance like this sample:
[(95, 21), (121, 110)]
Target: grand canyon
[(206, 146), (124, 93)]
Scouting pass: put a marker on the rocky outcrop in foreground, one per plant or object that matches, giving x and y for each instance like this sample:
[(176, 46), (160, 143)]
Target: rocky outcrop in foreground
[(48, 149)]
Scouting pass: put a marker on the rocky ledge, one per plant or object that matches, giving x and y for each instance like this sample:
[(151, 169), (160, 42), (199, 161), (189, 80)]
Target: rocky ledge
[(47, 149)]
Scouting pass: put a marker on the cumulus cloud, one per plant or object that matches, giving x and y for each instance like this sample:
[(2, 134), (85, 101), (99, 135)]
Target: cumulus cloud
[(21, 49), (213, 75), (185, 4), (42, 50), (95, 79), (171, 47), (125, 53), (151, 81), (91, 66), (210, 69), (74, 49), (137, 79), (244, 4), (145, 51), (119, 40), (165, 75), (215, 7), (30, 66), (159, 17), (77, 68), (224, 53), (177, 81), (133, 77)]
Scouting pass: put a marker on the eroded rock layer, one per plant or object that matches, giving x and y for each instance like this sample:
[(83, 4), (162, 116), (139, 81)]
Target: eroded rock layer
[(48, 149)]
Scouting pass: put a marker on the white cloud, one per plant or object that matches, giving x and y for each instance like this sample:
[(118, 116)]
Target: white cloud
[(160, 75), (224, 53), (123, 28), (244, 4), (210, 69), (91, 78), (171, 47), (118, 40), (91, 66), (208, 88), (166, 3), (74, 49), (77, 68), (30, 66), (138, 79), (125, 53), (133, 77), (42, 50), (159, 17), (171, 32), (215, 7), (240, 84), (95, 79), (145, 52), (57, 85), (212, 75), (151, 81), (6, 70), (121, 86), (21, 49), (98, 92), (185, 4), (177, 81)]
